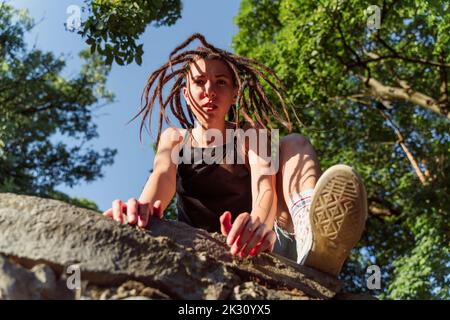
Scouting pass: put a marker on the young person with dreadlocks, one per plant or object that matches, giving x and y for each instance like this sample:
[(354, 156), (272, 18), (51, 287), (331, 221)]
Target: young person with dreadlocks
[(294, 211)]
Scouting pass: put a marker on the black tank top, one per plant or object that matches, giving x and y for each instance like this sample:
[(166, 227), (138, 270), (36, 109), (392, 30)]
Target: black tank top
[(205, 191)]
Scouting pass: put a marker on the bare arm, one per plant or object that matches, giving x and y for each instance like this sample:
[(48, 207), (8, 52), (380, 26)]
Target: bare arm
[(159, 189), (263, 178), (162, 182), (252, 232), (264, 197)]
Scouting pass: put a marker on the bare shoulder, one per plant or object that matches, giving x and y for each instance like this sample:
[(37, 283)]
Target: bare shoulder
[(171, 137), (252, 135), (164, 157)]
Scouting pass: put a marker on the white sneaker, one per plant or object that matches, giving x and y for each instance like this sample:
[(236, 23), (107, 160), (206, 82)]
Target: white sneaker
[(335, 222)]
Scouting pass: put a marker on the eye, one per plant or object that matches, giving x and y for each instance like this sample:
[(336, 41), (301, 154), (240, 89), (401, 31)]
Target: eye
[(199, 82), (221, 82)]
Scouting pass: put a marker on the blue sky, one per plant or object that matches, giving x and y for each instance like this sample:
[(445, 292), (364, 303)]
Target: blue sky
[(127, 176)]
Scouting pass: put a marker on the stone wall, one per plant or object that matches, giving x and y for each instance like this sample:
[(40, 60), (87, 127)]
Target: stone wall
[(44, 243)]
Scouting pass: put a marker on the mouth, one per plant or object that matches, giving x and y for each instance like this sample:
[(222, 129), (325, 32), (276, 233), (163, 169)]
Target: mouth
[(208, 107)]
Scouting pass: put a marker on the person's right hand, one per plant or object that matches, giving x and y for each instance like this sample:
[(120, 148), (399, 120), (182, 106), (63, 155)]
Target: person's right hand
[(134, 211)]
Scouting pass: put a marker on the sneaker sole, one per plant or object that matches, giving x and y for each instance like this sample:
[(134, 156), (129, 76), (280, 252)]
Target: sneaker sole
[(337, 216)]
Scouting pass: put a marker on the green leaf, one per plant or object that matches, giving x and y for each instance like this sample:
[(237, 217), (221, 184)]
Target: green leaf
[(109, 59), (119, 60), (113, 21), (138, 59)]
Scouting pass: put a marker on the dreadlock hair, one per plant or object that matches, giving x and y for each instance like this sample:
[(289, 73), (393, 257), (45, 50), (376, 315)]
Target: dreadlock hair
[(251, 99)]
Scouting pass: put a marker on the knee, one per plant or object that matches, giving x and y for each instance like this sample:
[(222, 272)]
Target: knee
[(294, 142)]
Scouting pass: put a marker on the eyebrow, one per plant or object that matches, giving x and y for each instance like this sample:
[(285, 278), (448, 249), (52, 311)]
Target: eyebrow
[(217, 76), (222, 75)]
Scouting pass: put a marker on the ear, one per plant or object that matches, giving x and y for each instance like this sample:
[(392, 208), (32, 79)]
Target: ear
[(185, 94)]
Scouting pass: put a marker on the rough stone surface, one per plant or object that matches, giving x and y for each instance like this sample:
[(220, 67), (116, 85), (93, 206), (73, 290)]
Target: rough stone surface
[(41, 238)]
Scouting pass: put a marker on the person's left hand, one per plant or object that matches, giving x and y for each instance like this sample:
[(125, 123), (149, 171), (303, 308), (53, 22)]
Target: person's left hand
[(247, 235)]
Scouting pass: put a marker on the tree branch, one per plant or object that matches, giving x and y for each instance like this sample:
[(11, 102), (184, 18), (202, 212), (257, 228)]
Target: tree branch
[(394, 93), (396, 55), (403, 83), (409, 155), (444, 103), (381, 208)]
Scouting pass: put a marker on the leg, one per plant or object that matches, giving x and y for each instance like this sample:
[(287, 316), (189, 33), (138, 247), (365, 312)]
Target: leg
[(299, 171), (328, 224), (299, 165)]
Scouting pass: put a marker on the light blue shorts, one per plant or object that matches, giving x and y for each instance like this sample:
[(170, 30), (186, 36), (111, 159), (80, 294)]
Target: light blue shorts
[(285, 244)]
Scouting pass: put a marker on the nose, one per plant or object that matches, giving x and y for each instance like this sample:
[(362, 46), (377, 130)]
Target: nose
[(210, 91)]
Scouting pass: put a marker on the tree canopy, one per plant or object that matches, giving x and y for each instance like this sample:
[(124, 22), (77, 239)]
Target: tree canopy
[(36, 104), (113, 27), (376, 99), (368, 82)]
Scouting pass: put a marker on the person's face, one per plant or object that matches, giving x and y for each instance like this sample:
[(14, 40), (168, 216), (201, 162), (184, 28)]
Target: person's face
[(210, 90)]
